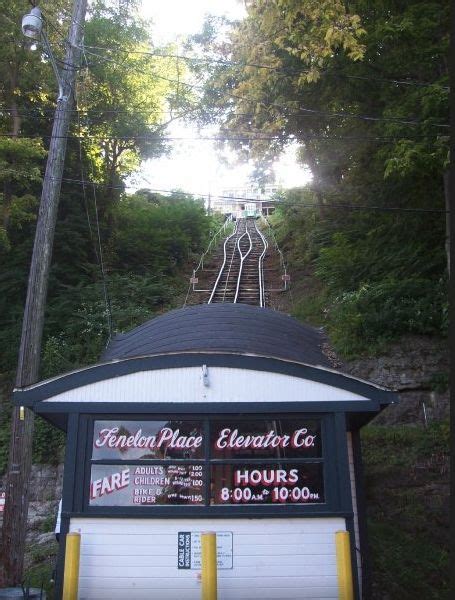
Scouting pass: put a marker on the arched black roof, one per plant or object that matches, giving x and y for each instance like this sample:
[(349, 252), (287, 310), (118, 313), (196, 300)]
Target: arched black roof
[(232, 328)]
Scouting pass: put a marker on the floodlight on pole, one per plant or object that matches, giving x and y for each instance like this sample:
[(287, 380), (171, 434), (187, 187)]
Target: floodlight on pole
[(32, 27), (32, 24)]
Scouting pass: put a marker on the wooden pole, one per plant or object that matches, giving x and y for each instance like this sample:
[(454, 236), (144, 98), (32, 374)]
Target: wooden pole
[(20, 451)]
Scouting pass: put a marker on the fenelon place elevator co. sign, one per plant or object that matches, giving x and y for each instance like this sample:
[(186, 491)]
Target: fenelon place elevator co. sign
[(192, 462)]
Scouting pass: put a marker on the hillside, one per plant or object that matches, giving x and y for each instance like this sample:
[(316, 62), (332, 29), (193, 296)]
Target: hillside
[(406, 448)]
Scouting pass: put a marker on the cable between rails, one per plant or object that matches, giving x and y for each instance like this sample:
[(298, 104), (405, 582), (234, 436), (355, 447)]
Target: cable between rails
[(242, 258)]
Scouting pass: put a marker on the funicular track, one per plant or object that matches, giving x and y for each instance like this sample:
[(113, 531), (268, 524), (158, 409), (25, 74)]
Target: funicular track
[(241, 276), (246, 267)]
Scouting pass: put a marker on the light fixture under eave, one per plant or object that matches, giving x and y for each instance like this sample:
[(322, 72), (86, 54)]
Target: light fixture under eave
[(32, 24)]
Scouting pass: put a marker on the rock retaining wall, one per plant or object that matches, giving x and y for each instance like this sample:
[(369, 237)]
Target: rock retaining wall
[(417, 368)]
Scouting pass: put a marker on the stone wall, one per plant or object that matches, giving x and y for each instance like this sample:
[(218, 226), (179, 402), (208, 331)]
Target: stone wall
[(45, 493), (416, 368)]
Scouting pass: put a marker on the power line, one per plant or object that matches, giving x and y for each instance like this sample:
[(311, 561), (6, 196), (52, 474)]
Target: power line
[(286, 70), (400, 120), (133, 111), (301, 112), (224, 62), (242, 137), (309, 111), (99, 250), (300, 204)]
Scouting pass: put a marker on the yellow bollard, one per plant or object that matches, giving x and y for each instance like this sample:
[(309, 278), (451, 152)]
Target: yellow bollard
[(71, 572), (344, 566), (209, 566)]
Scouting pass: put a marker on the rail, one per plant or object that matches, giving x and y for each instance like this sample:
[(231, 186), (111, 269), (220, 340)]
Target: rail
[(285, 277), (221, 230), (242, 279), (231, 262), (261, 268), (224, 261), (241, 276), (200, 266)]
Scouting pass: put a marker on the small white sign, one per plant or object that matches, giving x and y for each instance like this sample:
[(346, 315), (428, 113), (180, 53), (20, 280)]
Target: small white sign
[(189, 549), (2, 501)]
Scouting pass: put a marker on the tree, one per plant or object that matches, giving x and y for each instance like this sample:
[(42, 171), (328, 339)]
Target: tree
[(370, 115), (125, 95)]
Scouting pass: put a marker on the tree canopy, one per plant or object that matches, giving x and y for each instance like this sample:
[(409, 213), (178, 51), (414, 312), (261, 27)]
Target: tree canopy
[(362, 88)]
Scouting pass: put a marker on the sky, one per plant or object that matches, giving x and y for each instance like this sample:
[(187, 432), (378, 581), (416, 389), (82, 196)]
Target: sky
[(194, 165)]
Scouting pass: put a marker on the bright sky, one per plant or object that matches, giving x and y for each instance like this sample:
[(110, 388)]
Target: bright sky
[(194, 165)]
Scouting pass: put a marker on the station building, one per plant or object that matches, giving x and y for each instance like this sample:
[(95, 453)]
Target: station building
[(221, 417)]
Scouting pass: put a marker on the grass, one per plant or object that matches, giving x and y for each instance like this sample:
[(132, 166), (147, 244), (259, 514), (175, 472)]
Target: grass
[(43, 559), (406, 486)]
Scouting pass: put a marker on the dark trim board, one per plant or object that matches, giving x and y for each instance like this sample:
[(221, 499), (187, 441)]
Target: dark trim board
[(44, 390), (202, 408), (355, 579), (57, 412), (167, 513), (361, 515)]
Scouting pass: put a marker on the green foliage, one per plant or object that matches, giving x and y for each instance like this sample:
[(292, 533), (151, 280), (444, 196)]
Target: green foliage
[(376, 313), (407, 519), (439, 382), (19, 169), (384, 447), (311, 308), (44, 559), (151, 241), (48, 524), (405, 565), (47, 443), (134, 299), (158, 237), (19, 159), (382, 276)]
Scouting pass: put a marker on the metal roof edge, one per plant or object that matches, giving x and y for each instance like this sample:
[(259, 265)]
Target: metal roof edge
[(41, 390)]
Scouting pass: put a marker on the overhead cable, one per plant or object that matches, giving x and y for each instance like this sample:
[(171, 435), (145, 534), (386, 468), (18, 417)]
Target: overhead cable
[(239, 198), (349, 115), (248, 137), (229, 63)]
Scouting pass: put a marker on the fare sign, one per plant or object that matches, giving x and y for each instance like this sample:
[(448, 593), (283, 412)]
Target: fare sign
[(151, 485)]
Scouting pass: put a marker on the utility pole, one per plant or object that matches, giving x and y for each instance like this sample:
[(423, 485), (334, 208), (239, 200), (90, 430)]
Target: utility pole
[(20, 452)]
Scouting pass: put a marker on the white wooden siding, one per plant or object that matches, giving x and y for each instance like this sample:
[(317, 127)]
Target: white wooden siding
[(273, 559), (358, 552), (225, 384)]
